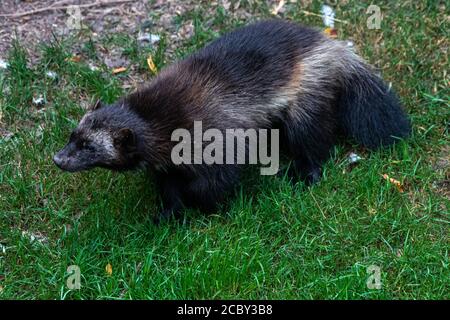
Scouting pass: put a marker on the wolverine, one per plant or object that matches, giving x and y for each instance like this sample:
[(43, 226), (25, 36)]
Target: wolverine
[(268, 75)]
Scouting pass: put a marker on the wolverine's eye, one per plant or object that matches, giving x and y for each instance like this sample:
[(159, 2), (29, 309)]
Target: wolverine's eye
[(82, 144), (86, 145)]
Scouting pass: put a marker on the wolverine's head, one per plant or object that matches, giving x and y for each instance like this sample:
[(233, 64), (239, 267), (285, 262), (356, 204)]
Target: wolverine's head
[(103, 138)]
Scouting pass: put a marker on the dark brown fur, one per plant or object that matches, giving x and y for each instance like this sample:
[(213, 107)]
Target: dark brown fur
[(274, 75)]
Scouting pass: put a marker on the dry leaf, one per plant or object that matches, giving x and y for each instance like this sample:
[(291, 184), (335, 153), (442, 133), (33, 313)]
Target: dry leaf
[(397, 183), (151, 65), (278, 7), (76, 58), (119, 70), (331, 32), (108, 269)]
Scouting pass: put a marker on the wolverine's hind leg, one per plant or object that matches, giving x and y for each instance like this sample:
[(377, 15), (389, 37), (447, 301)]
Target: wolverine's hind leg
[(310, 134)]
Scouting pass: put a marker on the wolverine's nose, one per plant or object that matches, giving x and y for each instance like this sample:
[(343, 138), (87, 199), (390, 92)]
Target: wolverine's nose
[(58, 160)]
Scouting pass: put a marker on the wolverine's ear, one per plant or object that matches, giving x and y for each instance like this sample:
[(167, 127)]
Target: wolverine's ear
[(125, 137), (97, 105)]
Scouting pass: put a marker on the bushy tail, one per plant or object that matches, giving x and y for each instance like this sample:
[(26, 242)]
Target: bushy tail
[(370, 111)]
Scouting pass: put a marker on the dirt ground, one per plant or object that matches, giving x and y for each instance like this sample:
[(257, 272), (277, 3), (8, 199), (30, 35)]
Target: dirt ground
[(33, 21)]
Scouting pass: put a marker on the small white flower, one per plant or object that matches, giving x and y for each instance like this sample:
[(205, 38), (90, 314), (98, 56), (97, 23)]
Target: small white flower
[(39, 101), (34, 237), (3, 64), (353, 158), (154, 38), (147, 37), (51, 74), (328, 15), (92, 67)]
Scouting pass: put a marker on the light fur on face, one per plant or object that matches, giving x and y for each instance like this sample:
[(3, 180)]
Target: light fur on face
[(84, 119), (100, 138), (103, 139)]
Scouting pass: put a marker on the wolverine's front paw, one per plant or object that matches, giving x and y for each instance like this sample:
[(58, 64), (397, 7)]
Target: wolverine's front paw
[(313, 176), (287, 173), (163, 216), (294, 174)]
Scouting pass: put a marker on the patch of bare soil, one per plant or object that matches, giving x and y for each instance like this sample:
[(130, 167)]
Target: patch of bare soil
[(34, 21), (443, 163)]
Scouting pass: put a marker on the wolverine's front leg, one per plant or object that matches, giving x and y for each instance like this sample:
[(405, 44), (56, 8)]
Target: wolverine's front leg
[(209, 188), (170, 188)]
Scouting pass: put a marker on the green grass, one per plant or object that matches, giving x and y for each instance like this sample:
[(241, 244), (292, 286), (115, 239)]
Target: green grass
[(273, 241)]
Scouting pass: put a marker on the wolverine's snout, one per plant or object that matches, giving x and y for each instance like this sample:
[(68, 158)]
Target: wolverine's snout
[(57, 160), (61, 160), (65, 161)]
